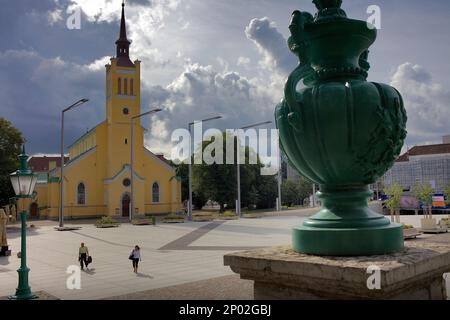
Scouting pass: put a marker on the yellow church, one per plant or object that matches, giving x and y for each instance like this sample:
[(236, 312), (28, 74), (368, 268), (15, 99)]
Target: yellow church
[(97, 175)]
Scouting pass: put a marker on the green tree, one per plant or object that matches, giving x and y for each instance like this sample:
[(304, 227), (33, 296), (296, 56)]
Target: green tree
[(394, 192), (250, 180), (294, 192), (183, 172), (267, 188), (198, 198), (305, 189), (11, 140), (290, 191), (217, 182), (424, 193)]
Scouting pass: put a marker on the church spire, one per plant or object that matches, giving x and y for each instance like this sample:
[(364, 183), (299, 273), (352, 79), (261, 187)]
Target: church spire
[(123, 44), (123, 27)]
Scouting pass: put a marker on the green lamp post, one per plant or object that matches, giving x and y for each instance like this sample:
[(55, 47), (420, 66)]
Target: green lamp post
[(340, 131), (23, 182)]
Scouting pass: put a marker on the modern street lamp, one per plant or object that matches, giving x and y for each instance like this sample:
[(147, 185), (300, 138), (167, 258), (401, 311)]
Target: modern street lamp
[(131, 209), (190, 161), (23, 182), (238, 206), (61, 188)]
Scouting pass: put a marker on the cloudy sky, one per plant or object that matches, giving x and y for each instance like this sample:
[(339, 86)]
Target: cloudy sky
[(201, 58)]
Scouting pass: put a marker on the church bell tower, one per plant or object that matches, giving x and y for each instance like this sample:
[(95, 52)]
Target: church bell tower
[(122, 102)]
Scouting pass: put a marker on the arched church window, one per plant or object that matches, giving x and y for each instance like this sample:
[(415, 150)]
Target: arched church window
[(119, 86), (81, 194), (125, 86), (155, 192), (131, 87)]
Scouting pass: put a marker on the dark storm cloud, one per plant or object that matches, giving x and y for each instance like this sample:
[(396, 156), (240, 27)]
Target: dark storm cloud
[(25, 25), (43, 68), (139, 2), (34, 90)]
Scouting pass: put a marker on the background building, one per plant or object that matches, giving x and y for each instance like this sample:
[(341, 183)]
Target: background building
[(422, 164)]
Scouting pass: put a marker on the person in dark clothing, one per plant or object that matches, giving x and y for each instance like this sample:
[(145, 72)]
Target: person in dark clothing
[(83, 254), (136, 257)]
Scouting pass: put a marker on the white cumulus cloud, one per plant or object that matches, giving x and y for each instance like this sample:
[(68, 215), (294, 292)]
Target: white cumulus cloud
[(272, 45), (426, 101), (200, 92)]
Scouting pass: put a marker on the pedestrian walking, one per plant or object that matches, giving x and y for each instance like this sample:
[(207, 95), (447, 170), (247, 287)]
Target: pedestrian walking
[(135, 256), (83, 254)]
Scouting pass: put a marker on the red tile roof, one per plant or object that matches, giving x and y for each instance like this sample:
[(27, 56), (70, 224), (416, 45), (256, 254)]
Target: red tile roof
[(41, 164), (403, 158), (425, 150), (161, 157)]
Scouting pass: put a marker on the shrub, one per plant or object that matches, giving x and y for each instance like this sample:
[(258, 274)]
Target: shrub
[(106, 220), (229, 213), (173, 216)]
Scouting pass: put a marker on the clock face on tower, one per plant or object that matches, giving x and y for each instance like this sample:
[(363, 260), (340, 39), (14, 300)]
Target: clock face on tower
[(126, 182)]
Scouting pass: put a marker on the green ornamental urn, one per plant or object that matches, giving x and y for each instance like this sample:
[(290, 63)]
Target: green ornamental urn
[(340, 131)]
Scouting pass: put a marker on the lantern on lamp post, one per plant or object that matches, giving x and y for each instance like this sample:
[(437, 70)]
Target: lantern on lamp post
[(23, 182)]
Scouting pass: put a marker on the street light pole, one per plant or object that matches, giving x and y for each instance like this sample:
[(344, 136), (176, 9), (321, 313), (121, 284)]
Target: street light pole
[(190, 173), (238, 207), (23, 182), (61, 184), (191, 152), (131, 208), (238, 169), (279, 178)]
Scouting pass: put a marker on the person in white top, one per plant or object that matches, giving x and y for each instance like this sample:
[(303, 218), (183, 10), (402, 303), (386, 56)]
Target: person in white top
[(136, 257)]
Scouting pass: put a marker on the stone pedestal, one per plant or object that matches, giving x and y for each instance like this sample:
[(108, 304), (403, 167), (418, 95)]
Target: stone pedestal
[(280, 273)]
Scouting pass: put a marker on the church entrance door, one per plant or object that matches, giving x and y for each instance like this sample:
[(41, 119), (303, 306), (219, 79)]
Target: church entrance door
[(34, 210), (126, 205)]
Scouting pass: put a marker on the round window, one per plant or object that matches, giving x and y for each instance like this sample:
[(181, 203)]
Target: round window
[(125, 111), (126, 182)]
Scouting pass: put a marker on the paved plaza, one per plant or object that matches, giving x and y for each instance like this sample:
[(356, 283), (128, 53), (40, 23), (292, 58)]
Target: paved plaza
[(179, 261)]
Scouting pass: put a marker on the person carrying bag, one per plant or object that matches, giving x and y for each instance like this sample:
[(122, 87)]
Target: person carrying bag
[(83, 256), (135, 257)]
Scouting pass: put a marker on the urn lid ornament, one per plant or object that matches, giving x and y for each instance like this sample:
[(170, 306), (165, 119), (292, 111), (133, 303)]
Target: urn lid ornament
[(325, 4), (329, 10), (333, 45)]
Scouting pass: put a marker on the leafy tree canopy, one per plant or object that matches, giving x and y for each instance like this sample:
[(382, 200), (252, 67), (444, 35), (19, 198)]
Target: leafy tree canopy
[(11, 140), (294, 192), (218, 182), (395, 193), (424, 193)]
